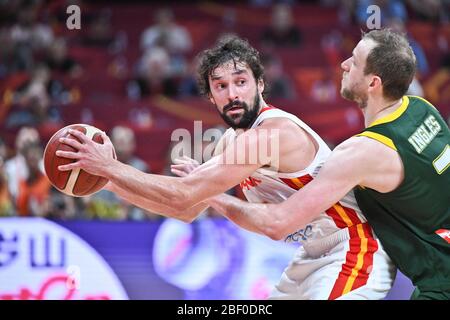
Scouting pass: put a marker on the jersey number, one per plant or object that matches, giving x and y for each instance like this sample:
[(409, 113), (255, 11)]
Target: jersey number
[(442, 162)]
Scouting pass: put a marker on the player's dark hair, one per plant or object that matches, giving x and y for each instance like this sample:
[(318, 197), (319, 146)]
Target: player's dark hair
[(229, 48), (393, 60)]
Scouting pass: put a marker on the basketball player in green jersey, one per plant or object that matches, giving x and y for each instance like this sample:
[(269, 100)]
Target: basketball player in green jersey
[(412, 220), (399, 167)]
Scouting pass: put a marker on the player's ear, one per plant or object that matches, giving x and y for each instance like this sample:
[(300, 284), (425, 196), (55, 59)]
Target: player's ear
[(211, 98), (260, 85), (375, 83)]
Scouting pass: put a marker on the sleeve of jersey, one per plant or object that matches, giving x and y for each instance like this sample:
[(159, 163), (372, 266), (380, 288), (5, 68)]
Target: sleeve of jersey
[(379, 137)]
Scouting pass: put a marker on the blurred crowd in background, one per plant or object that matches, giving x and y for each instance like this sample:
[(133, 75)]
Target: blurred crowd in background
[(130, 70)]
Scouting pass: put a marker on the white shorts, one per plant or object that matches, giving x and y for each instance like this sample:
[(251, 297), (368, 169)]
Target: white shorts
[(355, 268)]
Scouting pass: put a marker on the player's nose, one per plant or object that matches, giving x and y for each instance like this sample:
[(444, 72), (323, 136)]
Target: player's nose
[(345, 65), (232, 93)]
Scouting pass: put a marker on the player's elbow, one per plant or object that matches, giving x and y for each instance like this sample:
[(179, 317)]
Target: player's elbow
[(186, 219), (274, 236), (185, 197), (275, 233), (180, 204), (276, 229), (182, 201)]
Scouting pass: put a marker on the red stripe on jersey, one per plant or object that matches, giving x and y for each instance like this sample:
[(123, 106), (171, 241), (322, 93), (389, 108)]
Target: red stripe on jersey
[(372, 247), (340, 223), (352, 215), (350, 262), (290, 183), (363, 244), (305, 179)]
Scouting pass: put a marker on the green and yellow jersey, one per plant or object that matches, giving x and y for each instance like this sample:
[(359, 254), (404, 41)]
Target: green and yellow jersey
[(413, 221)]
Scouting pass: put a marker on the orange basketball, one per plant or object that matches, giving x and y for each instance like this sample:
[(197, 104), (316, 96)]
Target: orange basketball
[(75, 182)]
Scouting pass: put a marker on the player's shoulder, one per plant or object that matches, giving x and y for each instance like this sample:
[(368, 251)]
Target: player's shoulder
[(286, 131), (275, 122), (284, 126), (361, 148)]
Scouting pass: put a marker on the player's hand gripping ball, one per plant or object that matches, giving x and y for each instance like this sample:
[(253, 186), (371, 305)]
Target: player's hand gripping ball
[(76, 182)]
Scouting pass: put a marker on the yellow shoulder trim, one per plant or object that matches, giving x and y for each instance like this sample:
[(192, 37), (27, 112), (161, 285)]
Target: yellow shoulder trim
[(379, 137), (393, 115), (424, 100)]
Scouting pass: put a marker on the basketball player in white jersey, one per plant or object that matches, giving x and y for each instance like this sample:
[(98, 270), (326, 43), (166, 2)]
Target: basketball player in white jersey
[(340, 257)]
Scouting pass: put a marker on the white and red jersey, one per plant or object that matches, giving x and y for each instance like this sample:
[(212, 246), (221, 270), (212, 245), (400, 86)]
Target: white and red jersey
[(274, 187)]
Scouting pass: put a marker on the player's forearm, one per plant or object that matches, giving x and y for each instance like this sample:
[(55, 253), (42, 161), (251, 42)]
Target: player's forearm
[(167, 191), (254, 217), (187, 215)]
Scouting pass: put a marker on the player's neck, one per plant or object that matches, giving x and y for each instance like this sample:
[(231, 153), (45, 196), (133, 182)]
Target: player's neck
[(378, 108), (262, 105)]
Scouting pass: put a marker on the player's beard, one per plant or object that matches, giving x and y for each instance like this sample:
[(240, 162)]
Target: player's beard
[(250, 113), (352, 94)]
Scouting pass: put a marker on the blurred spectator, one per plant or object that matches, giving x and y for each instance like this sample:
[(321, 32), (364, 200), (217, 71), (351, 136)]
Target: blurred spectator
[(104, 205), (3, 149), (346, 9), (332, 44), (446, 61), (436, 86), (430, 10), (175, 38), (390, 9), (267, 3), (10, 59), (35, 101), (16, 168), (62, 206), (282, 32), (8, 11), (229, 19), (34, 191), (6, 202), (188, 84), (58, 60), (100, 32), (279, 85), (124, 142), (28, 36), (325, 89), (154, 76), (415, 88), (140, 117)]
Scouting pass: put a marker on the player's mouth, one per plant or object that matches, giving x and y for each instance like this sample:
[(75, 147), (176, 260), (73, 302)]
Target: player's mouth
[(235, 110)]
